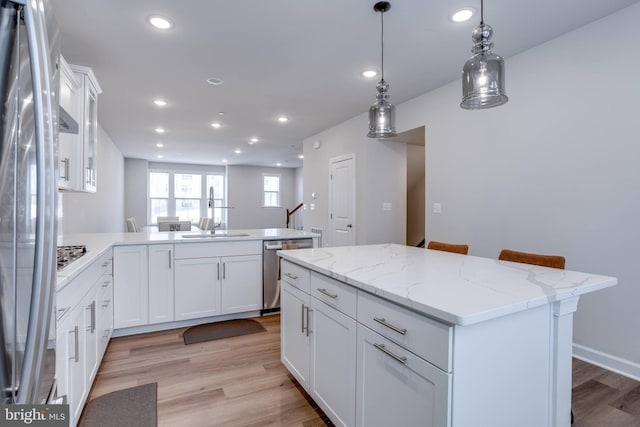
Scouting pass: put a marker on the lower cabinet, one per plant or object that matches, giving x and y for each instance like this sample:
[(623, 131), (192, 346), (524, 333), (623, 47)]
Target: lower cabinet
[(241, 287), (161, 283), (355, 374), (333, 363), (130, 286), (83, 330), (395, 387), (294, 331), (197, 288)]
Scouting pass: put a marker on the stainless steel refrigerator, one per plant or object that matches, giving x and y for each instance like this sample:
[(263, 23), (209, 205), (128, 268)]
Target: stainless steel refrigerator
[(29, 52)]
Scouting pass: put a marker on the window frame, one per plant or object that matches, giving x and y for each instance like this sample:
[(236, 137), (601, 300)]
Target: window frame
[(172, 200), (278, 192)]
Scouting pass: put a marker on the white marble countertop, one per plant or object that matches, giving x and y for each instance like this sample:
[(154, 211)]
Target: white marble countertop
[(98, 243), (458, 289)]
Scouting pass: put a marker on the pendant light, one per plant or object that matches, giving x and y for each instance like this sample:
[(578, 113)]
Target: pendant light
[(382, 114), (483, 73)]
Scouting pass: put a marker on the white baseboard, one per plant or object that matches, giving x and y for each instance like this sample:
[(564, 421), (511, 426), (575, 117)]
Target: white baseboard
[(607, 361)]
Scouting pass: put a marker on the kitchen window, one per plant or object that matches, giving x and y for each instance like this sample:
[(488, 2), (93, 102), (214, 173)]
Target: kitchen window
[(185, 195), (271, 191)]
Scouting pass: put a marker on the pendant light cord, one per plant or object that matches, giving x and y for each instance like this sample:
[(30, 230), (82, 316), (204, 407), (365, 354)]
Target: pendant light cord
[(382, 41), (481, 12)]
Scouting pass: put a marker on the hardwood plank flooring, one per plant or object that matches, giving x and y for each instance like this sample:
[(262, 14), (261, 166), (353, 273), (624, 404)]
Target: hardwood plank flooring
[(240, 382)]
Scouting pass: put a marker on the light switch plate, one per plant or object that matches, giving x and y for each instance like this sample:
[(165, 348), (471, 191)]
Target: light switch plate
[(387, 206), (437, 208)]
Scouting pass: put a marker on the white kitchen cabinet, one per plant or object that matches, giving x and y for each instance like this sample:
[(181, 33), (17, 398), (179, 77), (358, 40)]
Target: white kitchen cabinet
[(395, 387), (70, 144), (161, 289), (333, 362), (78, 333), (88, 125), (130, 286), (294, 331), (197, 287), (241, 286)]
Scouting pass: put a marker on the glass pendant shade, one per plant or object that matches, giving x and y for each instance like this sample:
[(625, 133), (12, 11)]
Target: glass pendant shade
[(483, 74), (382, 114)]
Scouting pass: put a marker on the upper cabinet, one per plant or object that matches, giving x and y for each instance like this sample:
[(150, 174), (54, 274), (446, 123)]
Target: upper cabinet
[(77, 152)]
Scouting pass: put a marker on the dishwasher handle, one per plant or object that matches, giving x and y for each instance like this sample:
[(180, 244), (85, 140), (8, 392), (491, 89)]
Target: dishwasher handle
[(272, 246)]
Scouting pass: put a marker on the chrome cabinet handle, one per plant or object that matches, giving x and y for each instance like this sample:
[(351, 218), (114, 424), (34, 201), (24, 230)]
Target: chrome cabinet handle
[(106, 283), (384, 349), (224, 270), (327, 293), (105, 264), (302, 319), (291, 276), (218, 266), (62, 312), (169, 258), (65, 174), (306, 329), (76, 345), (383, 322), (92, 308), (106, 303)]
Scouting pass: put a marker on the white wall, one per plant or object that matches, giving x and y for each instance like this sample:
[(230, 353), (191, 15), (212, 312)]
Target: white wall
[(555, 170), (380, 178), (136, 178), (102, 211), (244, 193)]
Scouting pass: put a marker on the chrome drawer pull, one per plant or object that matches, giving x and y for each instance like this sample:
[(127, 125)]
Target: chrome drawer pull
[(383, 349), (106, 283), (62, 312), (327, 293), (106, 303), (291, 276), (383, 322)]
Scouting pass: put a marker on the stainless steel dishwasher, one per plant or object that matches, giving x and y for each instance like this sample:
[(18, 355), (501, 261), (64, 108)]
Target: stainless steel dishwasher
[(271, 269)]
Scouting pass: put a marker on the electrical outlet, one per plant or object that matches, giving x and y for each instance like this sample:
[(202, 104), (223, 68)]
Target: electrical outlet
[(437, 208)]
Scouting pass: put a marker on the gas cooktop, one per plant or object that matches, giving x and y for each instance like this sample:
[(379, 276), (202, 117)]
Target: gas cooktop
[(68, 254)]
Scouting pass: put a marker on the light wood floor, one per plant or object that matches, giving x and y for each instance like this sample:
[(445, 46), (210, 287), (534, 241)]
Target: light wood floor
[(240, 382)]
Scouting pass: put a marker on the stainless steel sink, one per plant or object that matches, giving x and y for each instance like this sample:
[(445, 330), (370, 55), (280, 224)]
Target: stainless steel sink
[(213, 236)]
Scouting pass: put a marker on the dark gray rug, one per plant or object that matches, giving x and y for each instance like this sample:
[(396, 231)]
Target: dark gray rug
[(135, 406), (219, 330)]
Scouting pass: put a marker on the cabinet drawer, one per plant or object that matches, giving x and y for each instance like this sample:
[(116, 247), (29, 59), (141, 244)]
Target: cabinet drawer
[(421, 335), (215, 249), (294, 275), (77, 288), (338, 295)]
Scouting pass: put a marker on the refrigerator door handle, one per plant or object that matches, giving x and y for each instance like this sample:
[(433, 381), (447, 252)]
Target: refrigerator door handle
[(43, 282)]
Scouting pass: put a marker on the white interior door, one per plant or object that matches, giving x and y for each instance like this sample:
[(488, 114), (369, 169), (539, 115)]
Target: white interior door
[(342, 200)]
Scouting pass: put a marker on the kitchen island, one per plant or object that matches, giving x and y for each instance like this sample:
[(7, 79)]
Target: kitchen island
[(393, 335)]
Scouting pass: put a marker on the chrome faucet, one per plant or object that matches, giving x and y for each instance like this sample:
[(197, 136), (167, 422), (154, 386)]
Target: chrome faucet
[(212, 206)]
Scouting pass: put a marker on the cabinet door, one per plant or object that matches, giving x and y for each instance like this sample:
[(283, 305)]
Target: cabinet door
[(160, 283), (197, 288), (90, 135), (130, 286), (294, 332), (70, 145), (90, 337), (395, 387), (333, 363), (76, 373), (241, 286)]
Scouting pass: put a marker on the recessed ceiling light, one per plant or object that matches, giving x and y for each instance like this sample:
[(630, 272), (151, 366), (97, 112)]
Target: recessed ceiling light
[(278, 164), (253, 141), (301, 156), (224, 160), (159, 102), (369, 73), (159, 145), (216, 81), (221, 113), (283, 119), (160, 156), (160, 22), (463, 15), (237, 151), (160, 130), (216, 125)]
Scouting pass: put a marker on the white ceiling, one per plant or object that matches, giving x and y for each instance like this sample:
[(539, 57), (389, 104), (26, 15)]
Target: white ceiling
[(301, 58)]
